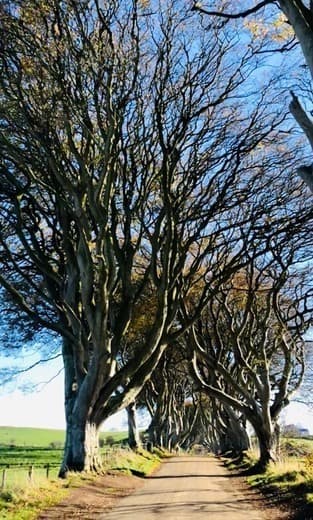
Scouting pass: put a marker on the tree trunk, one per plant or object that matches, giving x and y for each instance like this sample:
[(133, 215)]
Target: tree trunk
[(82, 449), (151, 432), (267, 438), (277, 439), (267, 450), (155, 431), (133, 433), (301, 20), (238, 434)]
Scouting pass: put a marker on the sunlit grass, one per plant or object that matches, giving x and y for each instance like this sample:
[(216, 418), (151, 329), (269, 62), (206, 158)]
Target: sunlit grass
[(284, 473), (139, 463), (291, 478), (22, 499), (20, 477)]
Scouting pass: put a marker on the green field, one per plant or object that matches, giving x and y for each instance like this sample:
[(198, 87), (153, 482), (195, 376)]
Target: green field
[(21, 448), (44, 438), (36, 437), (29, 456)]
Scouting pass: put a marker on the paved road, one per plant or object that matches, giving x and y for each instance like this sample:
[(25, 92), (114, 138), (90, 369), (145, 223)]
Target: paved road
[(189, 488)]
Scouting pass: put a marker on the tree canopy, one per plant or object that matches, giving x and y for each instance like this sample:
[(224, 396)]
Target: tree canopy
[(293, 25), (137, 158)]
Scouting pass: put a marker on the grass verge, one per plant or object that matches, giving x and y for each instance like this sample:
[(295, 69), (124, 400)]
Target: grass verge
[(288, 483), (26, 502)]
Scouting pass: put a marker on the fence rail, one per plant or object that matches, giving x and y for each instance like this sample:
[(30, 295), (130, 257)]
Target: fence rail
[(27, 464), (26, 471), (23, 474)]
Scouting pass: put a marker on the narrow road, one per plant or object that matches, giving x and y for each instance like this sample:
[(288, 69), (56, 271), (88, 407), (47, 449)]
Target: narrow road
[(190, 488)]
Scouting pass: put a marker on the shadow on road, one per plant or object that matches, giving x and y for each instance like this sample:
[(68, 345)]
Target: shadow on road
[(208, 475)]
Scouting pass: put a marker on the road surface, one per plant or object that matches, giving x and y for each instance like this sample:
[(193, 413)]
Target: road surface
[(190, 488)]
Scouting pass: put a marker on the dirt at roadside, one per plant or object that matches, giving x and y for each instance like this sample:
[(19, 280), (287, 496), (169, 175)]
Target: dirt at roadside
[(89, 501)]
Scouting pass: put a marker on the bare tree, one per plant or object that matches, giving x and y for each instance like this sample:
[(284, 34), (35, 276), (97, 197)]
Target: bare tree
[(170, 398), (299, 15), (130, 160), (248, 347)]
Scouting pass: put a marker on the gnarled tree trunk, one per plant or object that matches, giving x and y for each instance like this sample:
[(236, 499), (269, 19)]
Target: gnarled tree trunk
[(81, 450), (268, 438), (236, 433), (133, 432)]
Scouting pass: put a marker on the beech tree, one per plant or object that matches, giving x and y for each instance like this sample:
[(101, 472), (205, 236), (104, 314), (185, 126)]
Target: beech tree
[(247, 348), (172, 402), (131, 160), (225, 428), (299, 15)]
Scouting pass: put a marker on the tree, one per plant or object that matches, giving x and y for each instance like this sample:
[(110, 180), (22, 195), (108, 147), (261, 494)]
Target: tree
[(182, 416), (171, 401), (130, 161), (247, 348), (133, 432), (300, 17), (226, 428)]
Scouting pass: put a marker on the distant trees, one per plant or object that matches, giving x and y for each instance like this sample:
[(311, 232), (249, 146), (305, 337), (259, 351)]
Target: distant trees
[(226, 427), (171, 401), (136, 158)]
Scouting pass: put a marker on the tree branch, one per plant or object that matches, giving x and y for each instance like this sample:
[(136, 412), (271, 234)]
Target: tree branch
[(301, 117), (306, 124), (197, 7)]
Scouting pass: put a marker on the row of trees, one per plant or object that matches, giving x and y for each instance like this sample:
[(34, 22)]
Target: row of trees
[(146, 205), (245, 354)]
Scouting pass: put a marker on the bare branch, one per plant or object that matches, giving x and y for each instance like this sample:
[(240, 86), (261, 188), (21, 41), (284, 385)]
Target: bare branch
[(197, 6)]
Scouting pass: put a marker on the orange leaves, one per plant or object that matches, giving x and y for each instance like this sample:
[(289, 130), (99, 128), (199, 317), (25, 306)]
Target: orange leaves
[(277, 30)]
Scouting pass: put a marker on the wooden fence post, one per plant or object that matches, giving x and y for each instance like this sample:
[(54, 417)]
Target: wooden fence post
[(4, 478), (31, 473)]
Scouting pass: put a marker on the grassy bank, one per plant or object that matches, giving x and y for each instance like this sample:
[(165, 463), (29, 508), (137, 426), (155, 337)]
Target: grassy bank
[(23, 500), (29, 455), (289, 481)]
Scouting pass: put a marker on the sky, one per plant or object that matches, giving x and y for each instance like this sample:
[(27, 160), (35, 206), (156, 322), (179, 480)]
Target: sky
[(43, 408)]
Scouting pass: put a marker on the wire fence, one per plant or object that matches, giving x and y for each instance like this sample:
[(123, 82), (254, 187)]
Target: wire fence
[(21, 474)]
